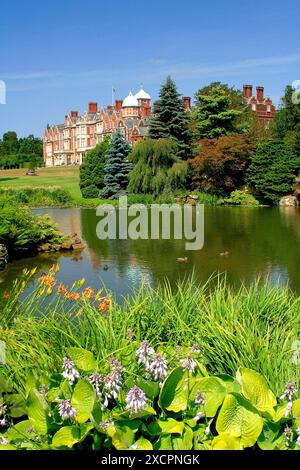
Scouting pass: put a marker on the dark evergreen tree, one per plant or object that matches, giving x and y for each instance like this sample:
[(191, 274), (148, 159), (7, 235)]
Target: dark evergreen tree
[(117, 167), (287, 119), (169, 120), (272, 170), (92, 171)]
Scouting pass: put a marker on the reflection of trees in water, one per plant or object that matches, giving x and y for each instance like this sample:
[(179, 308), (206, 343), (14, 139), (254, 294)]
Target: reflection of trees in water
[(260, 242), (43, 262)]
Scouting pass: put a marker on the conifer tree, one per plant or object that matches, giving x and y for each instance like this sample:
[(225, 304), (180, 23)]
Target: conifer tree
[(92, 171), (117, 167), (169, 120)]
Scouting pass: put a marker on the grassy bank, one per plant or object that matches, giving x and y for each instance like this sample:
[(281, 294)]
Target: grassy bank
[(255, 328)]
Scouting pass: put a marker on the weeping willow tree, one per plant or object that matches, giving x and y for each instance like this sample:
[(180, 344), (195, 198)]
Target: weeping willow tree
[(157, 168)]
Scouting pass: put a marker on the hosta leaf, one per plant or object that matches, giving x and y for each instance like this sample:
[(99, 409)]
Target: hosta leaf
[(83, 399), (122, 437), (38, 411), (21, 430), (85, 429), (268, 438), (174, 393), (164, 443), (254, 387), (150, 388), (239, 419), (185, 442), (83, 359), (170, 426), (66, 436), (215, 391), (142, 444), (225, 441)]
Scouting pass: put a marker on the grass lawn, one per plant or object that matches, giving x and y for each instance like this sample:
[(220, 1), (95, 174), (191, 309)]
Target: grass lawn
[(66, 178)]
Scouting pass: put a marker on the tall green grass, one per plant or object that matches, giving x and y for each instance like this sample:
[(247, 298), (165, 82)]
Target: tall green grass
[(254, 327)]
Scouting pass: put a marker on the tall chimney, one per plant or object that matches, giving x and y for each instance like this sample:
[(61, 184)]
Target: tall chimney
[(247, 91), (187, 103), (260, 93), (93, 107), (74, 114), (118, 105)]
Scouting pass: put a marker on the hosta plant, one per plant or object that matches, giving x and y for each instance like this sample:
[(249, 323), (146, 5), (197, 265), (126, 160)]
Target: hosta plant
[(136, 402)]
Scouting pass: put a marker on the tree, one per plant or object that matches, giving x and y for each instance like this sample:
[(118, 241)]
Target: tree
[(157, 168), (236, 97), (10, 143), (92, 171), (220, 164), (216, 113), (287, 120), (169, 120), (272, 170), (117, 167), (31, 146)]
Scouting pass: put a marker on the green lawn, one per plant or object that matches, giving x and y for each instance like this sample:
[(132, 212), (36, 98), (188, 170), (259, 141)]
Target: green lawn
[(67, 178)]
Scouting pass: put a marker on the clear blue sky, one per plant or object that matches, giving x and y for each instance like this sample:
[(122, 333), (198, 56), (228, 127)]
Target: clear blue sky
[(59, 55)]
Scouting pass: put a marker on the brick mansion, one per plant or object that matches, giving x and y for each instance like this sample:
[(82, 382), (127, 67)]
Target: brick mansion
[(68, 143)]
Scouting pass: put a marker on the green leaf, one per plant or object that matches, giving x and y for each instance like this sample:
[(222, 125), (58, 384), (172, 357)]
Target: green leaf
[(66, 436), (142, 444), (268, 439), (83, 359), (83, 399), (17, 406), (20, 431), (122, 437), (85, 429), (164, 443), (225, 441), (5, 386), (185, 442), (150, 388), (256, 390), (170, 426), (174, 393), (239, 419), (38, 410), (215, 391)]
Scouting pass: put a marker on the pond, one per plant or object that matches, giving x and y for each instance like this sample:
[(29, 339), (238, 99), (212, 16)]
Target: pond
[(260, 241)]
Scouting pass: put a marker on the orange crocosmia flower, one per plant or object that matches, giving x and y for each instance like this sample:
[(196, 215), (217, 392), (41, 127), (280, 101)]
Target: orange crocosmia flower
[(61, 288), (6, 295)]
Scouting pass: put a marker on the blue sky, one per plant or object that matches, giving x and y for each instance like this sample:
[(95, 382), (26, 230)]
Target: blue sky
[(59, 55)]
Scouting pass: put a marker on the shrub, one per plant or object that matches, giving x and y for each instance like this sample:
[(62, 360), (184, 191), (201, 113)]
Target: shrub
[(241, 198)]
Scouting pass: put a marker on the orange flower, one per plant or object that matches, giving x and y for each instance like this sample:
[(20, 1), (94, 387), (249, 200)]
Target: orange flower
[(88, 293), (6, 295), (74, 296), (61, 288), (105, 304), (47, 280)]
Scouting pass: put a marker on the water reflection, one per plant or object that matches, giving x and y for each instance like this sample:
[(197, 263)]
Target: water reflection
[(260, 241)]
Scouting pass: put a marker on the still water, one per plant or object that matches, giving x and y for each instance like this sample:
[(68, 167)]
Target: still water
[(260, 241)]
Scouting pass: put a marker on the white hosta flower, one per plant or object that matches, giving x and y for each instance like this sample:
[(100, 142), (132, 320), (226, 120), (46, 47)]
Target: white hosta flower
[(135, 400), (199, 416), (96, 380), (44, 390), (69, 371), (3, 441), (288, 409), (188, 364), (112, 384), (158, 367), (66, 410), (116, 365), (200, 398), (290, 391), (144, 354), (105, 424), (288, 435), (2, 409), (3, 421), (195, 349)]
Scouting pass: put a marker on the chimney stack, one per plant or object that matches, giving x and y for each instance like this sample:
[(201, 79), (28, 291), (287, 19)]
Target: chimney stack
[(260, 93), (247, 91), (93, 107), (187, 103), (74, 114), (118, 105)]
